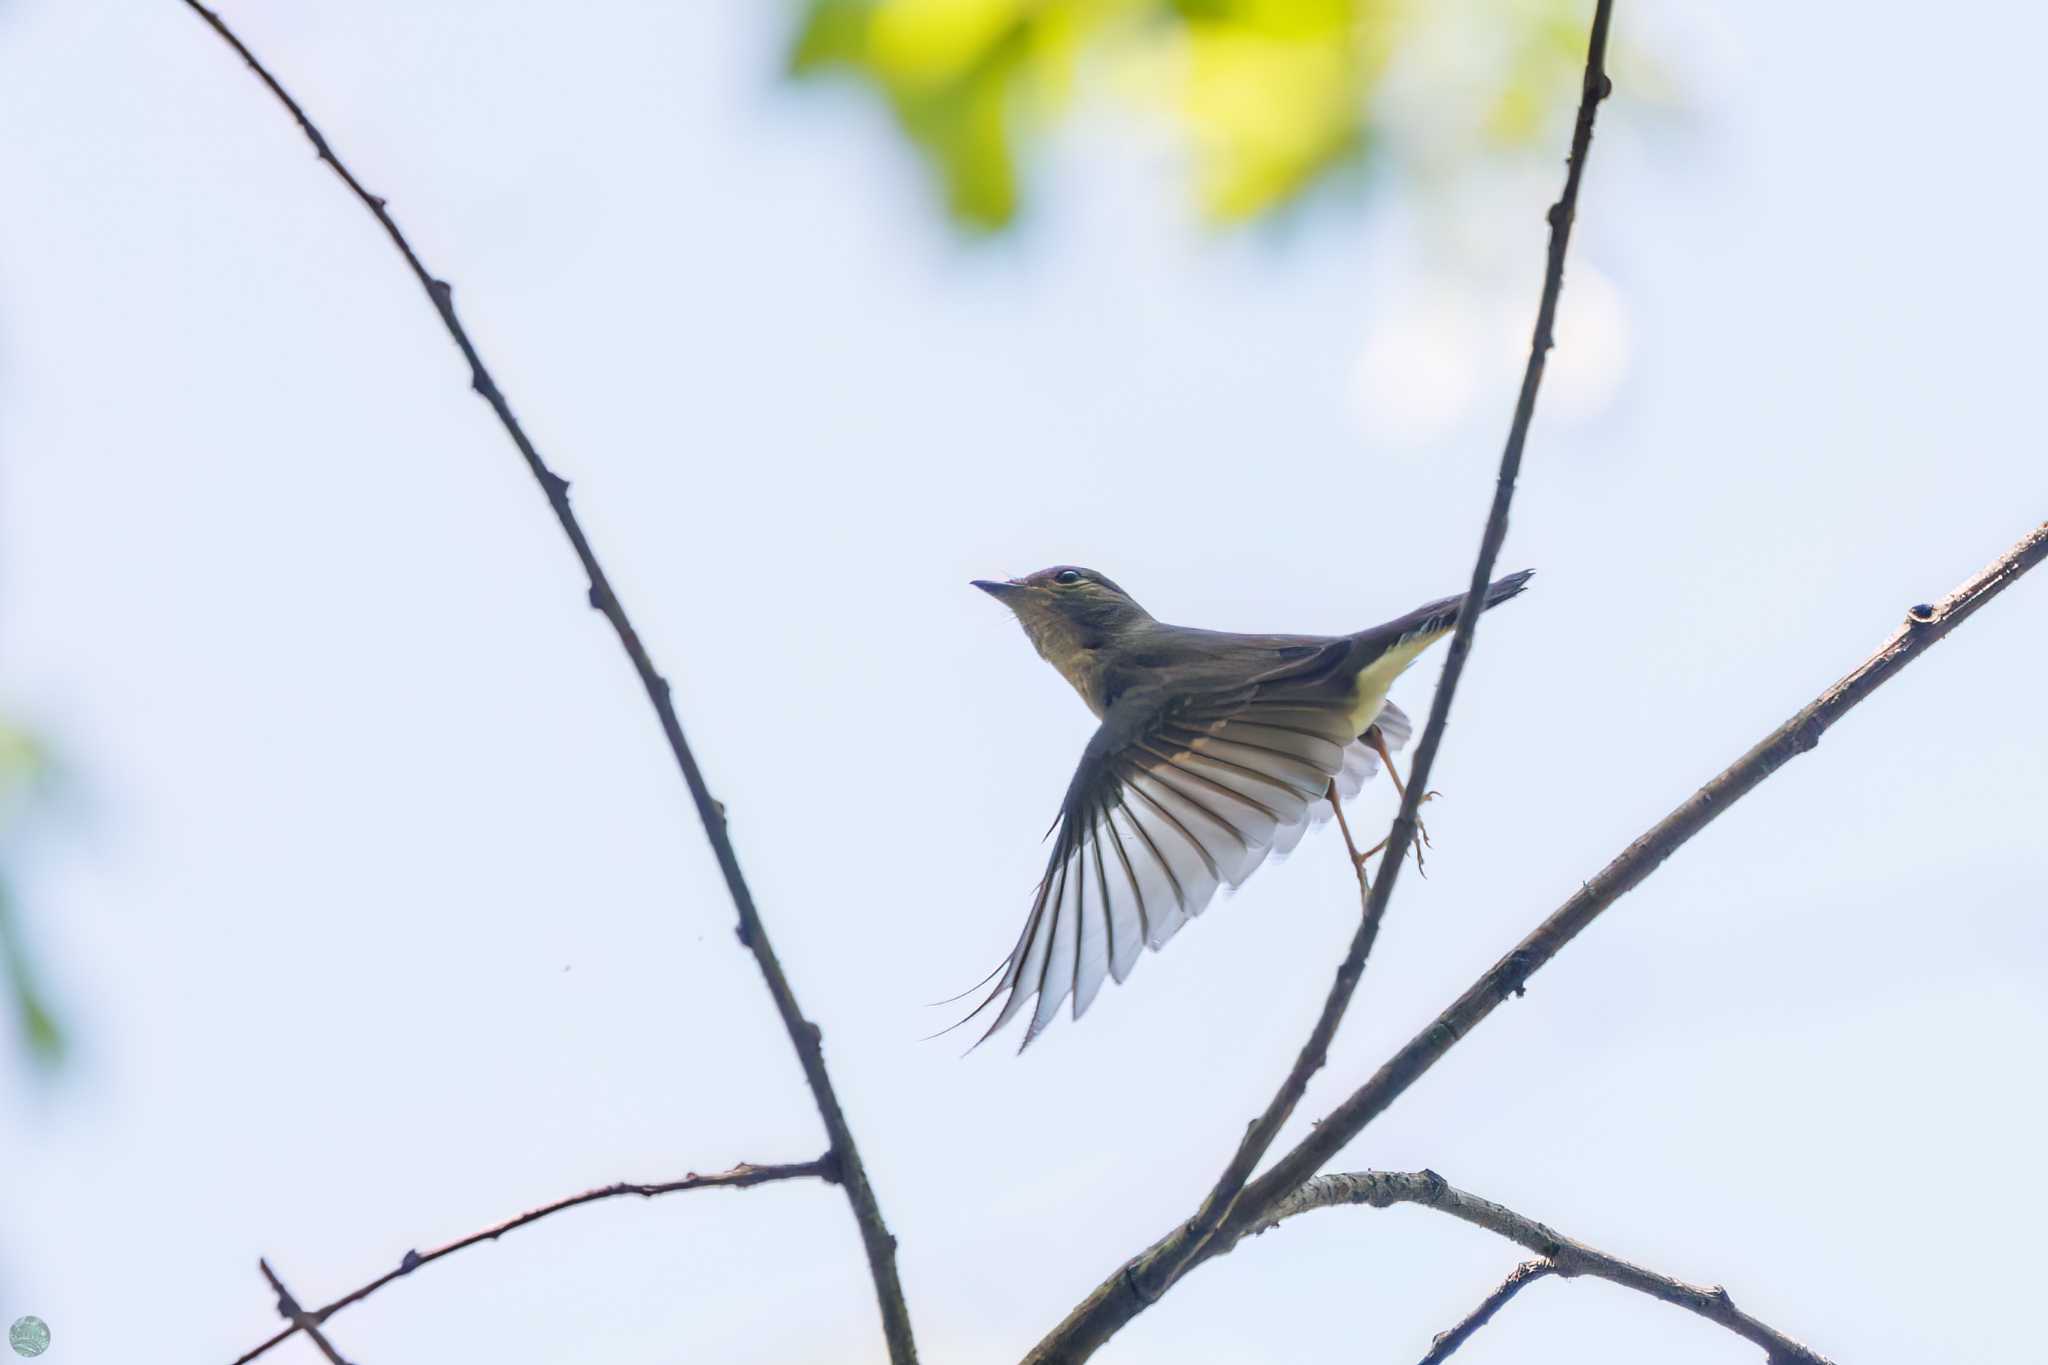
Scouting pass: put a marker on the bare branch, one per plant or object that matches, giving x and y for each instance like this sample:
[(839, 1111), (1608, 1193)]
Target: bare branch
[(300, 1319), (1445, 1343), (1120, 1298), (804, 1036), (739, 1177), (1146, 1278), (1924, 625), (1562, 1255)]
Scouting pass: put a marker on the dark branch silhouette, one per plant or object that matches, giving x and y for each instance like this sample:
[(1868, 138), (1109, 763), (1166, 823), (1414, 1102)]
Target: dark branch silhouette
[(804, 1036), (1923, 627), (1118, 1299), (1146, 1278), (1447, 1342), (1560, 1255), (301, 1321), (739, 1177)]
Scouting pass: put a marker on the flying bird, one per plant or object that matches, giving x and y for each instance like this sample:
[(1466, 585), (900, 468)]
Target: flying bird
[(1214, 750)]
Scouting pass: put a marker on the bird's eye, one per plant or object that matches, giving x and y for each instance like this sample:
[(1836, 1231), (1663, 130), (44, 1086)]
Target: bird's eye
[(1067, 578)]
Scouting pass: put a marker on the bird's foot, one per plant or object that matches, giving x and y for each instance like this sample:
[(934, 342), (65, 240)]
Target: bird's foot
[(1422, 839)]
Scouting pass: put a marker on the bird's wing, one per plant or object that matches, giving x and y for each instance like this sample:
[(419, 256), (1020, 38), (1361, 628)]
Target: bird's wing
[(1154, 822)]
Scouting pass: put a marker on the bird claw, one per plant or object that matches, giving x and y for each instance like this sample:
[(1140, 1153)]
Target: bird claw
[(1422, 839), (1416, 845)]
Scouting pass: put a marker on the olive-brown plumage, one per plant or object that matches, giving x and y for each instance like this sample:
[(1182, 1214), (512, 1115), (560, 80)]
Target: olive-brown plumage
[(1215, 749)]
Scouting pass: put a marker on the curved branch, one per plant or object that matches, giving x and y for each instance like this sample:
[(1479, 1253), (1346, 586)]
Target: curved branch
[(804, 1036), (739, 1177), (1561, 1255)]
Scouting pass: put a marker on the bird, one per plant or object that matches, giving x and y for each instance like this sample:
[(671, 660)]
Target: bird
[(1214, 750)]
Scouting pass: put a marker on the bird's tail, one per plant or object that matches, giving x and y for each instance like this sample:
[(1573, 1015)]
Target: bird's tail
[(1501, 589), (1439, 616)]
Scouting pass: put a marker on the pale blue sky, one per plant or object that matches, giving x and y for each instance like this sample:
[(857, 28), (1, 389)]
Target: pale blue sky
[(380, 912)]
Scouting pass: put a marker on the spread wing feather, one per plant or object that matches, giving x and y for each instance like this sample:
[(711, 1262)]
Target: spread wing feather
[(1152, 828)]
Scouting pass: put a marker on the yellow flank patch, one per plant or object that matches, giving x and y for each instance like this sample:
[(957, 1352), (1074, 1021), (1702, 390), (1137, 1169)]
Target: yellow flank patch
[(1369, 692)]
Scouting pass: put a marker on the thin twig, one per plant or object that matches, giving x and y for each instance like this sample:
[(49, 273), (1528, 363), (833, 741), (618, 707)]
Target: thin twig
[(1151, 1277), (804, 1036), (739, 1177), (1119, 1298), (288, 1308), (1446, 1343), (1562, 1255)]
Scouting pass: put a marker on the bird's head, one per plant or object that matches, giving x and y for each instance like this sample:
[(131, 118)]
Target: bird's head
[(1067, 610)]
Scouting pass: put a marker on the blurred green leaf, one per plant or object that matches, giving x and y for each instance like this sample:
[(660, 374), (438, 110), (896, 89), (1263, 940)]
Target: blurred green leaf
[(21, 759), (22, 762), (1549, 51), (962, 76), (1271, 95), (40, 1032)]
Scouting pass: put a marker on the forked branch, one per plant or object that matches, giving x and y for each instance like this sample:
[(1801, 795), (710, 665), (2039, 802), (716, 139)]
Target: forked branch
[(1560, 1255), (739, 1177), (1923, 627), (804, 1036)]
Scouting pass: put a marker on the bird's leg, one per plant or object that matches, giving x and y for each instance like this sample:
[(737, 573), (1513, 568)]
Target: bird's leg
[(1357, 858), (1378, 742)]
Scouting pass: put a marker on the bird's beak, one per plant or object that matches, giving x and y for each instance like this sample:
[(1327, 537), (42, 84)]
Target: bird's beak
[(1000, 591)]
